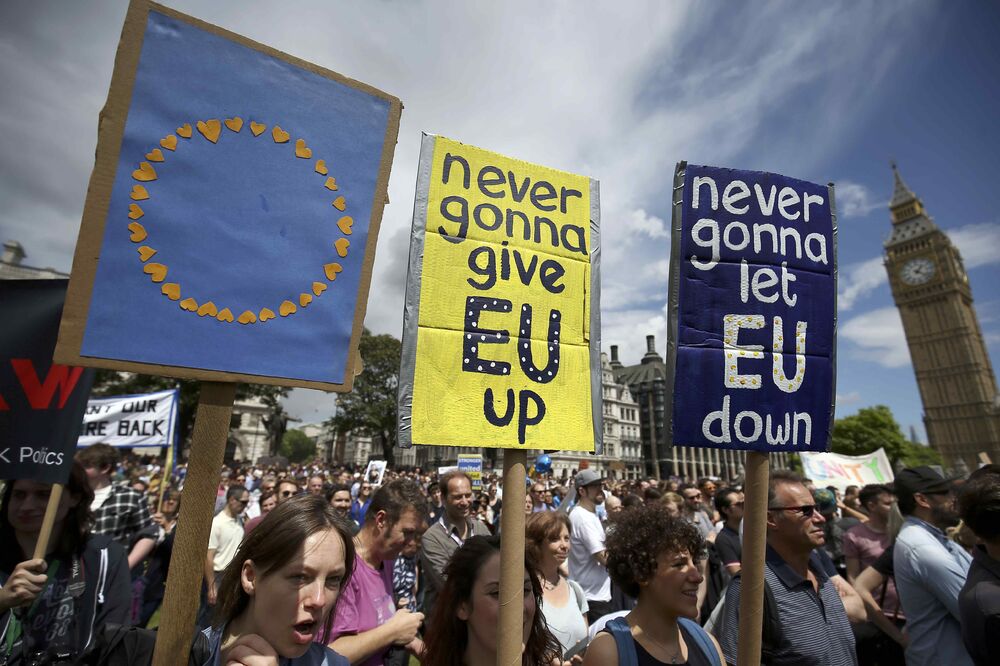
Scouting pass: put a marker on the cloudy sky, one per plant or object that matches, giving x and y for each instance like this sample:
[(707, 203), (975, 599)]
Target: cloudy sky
[(620, 92)]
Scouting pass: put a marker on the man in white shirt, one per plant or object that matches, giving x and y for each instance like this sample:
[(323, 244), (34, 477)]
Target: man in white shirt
[(588, 560), (223, 542)]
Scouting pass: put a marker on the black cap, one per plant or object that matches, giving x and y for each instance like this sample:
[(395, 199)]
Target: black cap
[(921, 479)]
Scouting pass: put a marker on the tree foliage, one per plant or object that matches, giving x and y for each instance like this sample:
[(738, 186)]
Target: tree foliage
[(370, 408), (296, 446), (112, 382), (873, 428)]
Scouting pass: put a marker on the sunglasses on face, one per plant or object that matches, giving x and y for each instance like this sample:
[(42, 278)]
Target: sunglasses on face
[(287, 493), (807, 510)]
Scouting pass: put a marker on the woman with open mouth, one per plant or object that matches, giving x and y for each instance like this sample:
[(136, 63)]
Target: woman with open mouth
[(654, 557), (280, 590)]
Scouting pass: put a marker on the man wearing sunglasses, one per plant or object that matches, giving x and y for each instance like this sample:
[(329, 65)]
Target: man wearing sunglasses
[(805, 620), (930, 569)]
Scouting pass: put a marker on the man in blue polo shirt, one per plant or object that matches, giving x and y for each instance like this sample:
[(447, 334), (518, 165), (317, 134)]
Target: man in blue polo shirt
[(930, 569), (807, 623)]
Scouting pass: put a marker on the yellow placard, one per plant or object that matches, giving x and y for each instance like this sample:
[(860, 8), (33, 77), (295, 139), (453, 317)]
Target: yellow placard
[(503, 350)]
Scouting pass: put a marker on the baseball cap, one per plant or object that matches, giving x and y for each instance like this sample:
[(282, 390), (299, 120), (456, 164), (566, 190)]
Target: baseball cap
[(921, 479), (587, 477)]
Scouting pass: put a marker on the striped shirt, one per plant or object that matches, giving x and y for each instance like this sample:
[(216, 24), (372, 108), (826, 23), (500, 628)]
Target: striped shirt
[(815, 630)]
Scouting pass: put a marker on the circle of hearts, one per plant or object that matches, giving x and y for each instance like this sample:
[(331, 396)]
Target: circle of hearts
[(212, 131)]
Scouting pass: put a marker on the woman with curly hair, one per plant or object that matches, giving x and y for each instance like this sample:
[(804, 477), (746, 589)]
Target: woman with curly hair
[(463, 628), (654, 558)]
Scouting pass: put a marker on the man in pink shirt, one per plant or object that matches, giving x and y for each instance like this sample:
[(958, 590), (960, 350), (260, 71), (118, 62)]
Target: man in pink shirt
[(367, 623)]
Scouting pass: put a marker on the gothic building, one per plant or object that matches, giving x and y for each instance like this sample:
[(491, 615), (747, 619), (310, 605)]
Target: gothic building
[(932, 291)]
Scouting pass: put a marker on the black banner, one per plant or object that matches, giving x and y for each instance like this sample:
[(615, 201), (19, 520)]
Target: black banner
[(41, 403)]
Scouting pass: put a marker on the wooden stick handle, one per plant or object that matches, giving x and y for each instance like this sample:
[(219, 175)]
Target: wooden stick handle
[(752, 569), (48, 521), (512, 558), (187, 563)]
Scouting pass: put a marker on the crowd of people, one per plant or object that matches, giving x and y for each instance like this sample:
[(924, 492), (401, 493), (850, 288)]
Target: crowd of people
[(322, 565)]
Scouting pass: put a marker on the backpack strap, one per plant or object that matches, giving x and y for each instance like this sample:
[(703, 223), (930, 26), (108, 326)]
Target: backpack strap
[(622, 634), (701, 639)]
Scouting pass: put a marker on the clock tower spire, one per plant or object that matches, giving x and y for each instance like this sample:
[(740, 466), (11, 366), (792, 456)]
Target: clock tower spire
[(931, 289)]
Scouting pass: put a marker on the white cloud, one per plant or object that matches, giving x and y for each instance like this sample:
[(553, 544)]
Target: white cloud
[(649, 225), (855, 200), (978, 243), (846, 399), (858, 280), (877, 336)]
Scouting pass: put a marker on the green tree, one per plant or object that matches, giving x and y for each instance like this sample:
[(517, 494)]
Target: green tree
[(868, 430), (370, 408), (296, 446), (112, 382), (873, 428)]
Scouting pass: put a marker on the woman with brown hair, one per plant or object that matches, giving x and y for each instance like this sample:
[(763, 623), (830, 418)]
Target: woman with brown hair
[(463, 628), (54, 607), (564, 604), (278, 593), (654, 558)]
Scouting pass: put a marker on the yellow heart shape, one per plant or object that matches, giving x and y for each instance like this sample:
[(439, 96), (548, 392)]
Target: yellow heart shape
[(185, 130), (157, 272), (266, 314), (171, 290), (287, 308), (321, 167), (340, 204), (145, 172), (189, 304), (305, 299), (169, 142), (155, 155), (208, 309), (342, 244), (134, 212), (331, 270), (235, 124), (257, 128), (331, 183), (247, 318), (145, 252), (139, 193), (279, 135), (138, 232), (318, 288), (301, 150), (346, 225), (225, 315), (210, 129)]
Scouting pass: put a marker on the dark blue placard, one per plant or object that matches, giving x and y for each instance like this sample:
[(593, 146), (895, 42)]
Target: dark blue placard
[(41, 403), (242, 223), (733, 230)]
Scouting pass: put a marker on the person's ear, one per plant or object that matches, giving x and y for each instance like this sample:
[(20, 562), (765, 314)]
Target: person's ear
[(464, 612), (771, 521), (248, 577), (921, 500), (381, 520)]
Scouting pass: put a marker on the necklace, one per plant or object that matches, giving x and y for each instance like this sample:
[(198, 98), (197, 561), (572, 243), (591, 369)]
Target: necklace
[(546, 585), (676, 654)]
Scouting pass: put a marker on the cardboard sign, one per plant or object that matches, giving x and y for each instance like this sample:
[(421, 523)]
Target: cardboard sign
[(131, 420), (41, 402), (752, 320), (232, 215), (501, 327), (472, 464), (375, 472), (833, 469)]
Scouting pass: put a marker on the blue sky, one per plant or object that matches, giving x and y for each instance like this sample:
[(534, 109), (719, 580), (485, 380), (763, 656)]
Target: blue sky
[(617, 91)]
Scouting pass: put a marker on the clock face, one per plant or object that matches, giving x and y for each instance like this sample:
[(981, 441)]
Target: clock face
[(917, 271)]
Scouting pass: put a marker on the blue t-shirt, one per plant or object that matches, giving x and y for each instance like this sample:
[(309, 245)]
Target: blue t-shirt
[(317, 655)]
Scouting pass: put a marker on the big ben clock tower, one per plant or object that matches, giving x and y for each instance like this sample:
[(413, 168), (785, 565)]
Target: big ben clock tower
[(954, 375)]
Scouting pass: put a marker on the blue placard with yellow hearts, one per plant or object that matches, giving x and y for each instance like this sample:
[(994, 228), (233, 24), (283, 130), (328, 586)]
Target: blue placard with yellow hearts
[(237, 233)]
